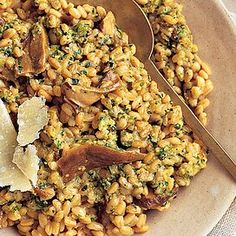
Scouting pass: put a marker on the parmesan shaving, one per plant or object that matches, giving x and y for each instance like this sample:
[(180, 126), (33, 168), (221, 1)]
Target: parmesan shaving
[(10, 175), (32, 117), (27, 161)]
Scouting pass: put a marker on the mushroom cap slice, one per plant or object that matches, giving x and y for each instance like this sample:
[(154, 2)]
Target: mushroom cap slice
[(87, 96), (152, 200), (35, 55), (79, 96), (108, 24), (91, 156)]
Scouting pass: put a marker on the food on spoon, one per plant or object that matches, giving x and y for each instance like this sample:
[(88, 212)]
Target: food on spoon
[(90, 156), (32, 117)]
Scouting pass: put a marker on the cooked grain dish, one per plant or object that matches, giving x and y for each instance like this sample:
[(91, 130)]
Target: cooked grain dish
[(108, 144)]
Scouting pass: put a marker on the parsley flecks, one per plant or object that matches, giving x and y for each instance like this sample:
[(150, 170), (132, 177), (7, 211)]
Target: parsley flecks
[(58, 144), (181, 31), (104, 40), (41, 204), (5, 27), (177, 126), (83, 72), (74, 81), (76, 53), (20, 66), (43, 185), (82, 29), (7, 51), (162, 154), (88, 64)]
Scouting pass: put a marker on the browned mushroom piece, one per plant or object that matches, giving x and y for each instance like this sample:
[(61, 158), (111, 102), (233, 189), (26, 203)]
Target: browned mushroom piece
[(35, 54), (8, 75), (83, 96), (152, 201), (108, 24), (103, 216), (67, 19), (110, 82), (79, 95), (91, 156)]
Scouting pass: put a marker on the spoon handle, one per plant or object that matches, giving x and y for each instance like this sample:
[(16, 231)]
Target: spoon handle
[(190, 118)]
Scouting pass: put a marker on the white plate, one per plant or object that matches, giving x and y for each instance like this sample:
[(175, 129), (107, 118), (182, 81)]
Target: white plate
[(199, 207)]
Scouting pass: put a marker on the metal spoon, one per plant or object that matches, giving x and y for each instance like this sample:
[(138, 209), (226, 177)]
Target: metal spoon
[(132, 20)]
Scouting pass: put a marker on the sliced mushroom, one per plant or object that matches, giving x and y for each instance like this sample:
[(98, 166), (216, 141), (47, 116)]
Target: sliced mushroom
[(79, 95), (35, 54), (103, 216), (108, 24), (152, 201), (8, 75), (90, 156), (83, 96), (110, 82), (67, 19)]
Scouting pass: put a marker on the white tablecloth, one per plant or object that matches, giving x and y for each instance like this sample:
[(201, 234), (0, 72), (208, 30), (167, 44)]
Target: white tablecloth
[(227, 225)]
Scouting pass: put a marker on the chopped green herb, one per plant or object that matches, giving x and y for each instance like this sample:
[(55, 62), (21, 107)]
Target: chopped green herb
[(162, 154), (20, 66), (165, 11), (41, 204), (104, 40), (177, 126), (83, 72), (82, 29), (7, 51), (77, 53), (62, 132), (5, 27), (181, 31), (74, 81), (93, 218), (58, 144), (40, 80), (14, 206), (88, 64), (105, 183), (43, 185), (119, 32)]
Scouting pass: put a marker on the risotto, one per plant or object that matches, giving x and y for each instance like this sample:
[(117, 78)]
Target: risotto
[(112, 145)]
